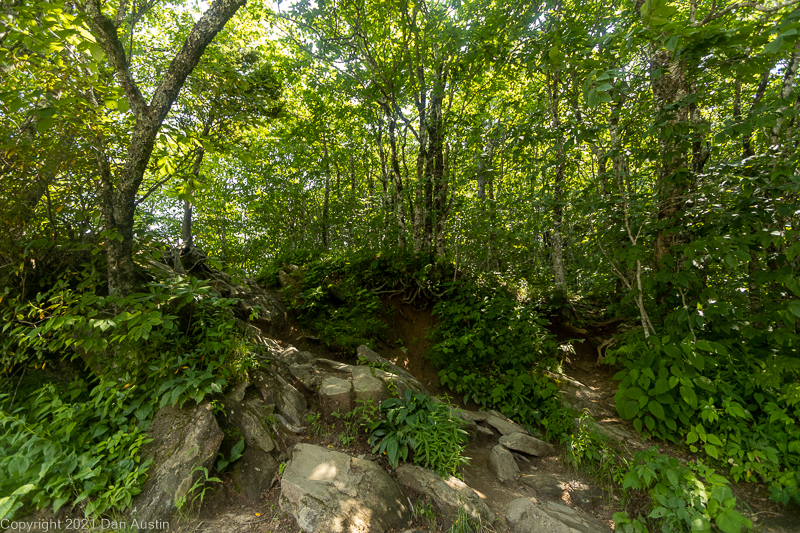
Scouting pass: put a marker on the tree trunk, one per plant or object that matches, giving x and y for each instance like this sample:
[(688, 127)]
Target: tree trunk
[(326, 199), (187, 236), (559, 276), (119, 196), (673, 174), (398, 179), (789, 74)]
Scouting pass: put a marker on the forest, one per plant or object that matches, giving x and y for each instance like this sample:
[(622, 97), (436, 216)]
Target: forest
[(509, 166)]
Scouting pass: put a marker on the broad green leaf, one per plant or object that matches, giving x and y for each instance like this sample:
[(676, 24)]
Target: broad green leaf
[(96, 51), (656, 409), (689, 396)]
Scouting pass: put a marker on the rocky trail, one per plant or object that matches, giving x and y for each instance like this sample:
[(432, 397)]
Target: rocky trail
[(305, 467)]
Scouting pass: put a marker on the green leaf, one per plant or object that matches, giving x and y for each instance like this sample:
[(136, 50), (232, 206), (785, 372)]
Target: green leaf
[(704, 345), (672, 350), (122, 105), (672, 43), (712, 451), (730, 521), (44, 124), (672, 476), (630, 409), (689, 396), (662, 386), (96, 51), (237, 450), (656, 409), (18, 465)]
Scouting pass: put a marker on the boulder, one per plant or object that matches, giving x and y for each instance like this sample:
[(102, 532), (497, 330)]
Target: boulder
[(503, 464), (523, 516), (504, 425), (330, 491), (526, 444), (267, 387), (305, 374), (250, 424), (292, 355), (447, 494), (253, 472), (334, 396), (292, 405), (545, 484), (367, 387), (237, 392), (183, 440)]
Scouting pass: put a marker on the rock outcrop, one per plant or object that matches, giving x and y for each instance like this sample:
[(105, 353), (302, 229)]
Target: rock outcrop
[(184, 440), (330, 491), (448, 495)]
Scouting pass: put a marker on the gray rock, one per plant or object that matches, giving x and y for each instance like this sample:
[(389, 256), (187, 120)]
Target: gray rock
[(286, 280), (472, 415), (574, 521), (250, 424), (292, 405), (327, 490), (504, 425), (483, 434), (394, 383), (183, 439), (267, 387), (292, 355), (412, 382), (447, 494), (305, 374), (237, 392), (503, 464), (333, 365), (367, 387), (526, 444), (545, 484), (334, 395), (253, 472), (523, 516)]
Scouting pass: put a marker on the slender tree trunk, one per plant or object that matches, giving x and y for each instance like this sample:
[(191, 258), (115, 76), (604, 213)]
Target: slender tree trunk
[(187, 237), (326, 199), (559, 276), (419, 195), (789, 75), (747, 144), (437, 183), (398, 179), (673, 174), (387, 197)]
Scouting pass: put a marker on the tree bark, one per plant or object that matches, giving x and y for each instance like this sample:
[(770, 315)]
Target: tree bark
[(669, 88), (789, 75), (119, 195), (559, 276), (398, 178)]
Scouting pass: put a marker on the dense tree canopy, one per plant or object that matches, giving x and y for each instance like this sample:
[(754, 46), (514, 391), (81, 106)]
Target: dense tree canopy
[(640, 156)]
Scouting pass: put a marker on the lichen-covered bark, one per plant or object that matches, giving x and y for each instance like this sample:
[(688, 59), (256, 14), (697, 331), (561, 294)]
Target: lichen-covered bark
[(121, 188)]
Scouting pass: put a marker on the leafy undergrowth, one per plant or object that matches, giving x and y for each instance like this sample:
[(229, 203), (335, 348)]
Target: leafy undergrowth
[(725, 399), (78, 443), (487, 341)]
